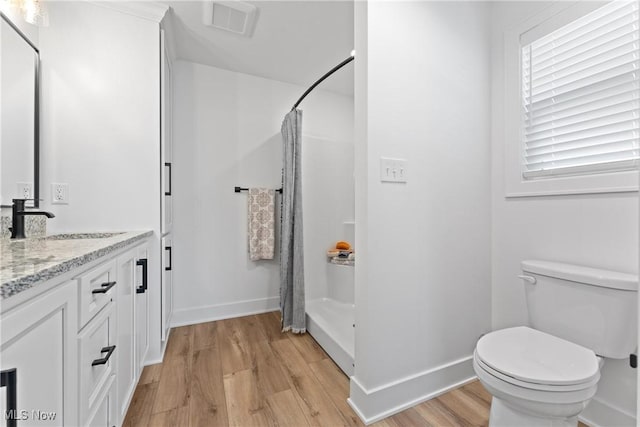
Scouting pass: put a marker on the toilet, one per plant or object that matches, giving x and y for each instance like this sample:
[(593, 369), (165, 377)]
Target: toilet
[(545, 374)]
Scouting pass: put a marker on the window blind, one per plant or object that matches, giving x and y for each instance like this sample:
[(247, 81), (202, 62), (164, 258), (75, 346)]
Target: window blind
[(581, 95)]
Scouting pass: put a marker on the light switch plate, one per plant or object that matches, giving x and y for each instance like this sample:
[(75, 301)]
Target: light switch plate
[(393, 170)]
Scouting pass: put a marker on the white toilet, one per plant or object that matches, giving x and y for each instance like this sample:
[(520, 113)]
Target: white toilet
[(545, 375)]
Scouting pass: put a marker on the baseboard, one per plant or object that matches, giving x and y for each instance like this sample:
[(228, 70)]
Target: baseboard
[(381, 402), (192, 316), (163, 348), (601, 414)]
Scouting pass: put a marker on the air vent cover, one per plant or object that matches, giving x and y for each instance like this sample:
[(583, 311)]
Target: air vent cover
[(235, 16)]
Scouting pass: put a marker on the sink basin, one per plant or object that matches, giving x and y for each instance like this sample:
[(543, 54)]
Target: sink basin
[(75, 236)]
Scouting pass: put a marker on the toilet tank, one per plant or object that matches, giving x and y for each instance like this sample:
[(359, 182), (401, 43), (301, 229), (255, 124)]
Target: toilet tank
[(595, 308)]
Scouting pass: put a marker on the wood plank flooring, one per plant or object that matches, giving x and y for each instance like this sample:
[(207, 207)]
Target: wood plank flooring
[(245, 372)]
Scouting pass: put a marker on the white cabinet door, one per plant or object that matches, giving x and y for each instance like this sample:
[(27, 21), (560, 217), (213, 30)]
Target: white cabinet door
[(166, 137), (125, 303), (167, 284), (38, 359), (142, 307)]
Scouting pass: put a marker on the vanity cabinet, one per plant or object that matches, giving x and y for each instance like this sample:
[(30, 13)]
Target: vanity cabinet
[(38, 359), (74, 353)]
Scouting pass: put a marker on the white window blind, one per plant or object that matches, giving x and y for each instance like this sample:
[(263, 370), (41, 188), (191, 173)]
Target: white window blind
[(581, 95)]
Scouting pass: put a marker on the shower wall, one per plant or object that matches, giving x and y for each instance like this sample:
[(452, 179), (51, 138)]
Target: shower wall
[(328, 206), (227, 133)]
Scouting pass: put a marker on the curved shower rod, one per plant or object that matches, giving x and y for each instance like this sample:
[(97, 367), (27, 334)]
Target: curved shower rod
[(321, 79)]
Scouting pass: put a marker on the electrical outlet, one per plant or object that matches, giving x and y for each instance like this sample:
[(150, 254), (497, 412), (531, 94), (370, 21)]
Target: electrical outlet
[(59, 194), (24, 190)]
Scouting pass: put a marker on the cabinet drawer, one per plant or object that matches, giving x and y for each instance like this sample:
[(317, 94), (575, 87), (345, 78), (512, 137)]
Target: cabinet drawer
[(103, 415), (95, 290), (97, 361)]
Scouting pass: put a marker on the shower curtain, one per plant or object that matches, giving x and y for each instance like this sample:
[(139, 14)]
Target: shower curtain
[(291, 249)]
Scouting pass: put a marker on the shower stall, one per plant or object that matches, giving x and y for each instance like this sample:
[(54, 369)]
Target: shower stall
[(328, 206), (327, 194)]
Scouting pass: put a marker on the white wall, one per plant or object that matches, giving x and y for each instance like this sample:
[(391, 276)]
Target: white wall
[(100, 81), (423, 288), (594, 230), (100, 126), (227, 134)]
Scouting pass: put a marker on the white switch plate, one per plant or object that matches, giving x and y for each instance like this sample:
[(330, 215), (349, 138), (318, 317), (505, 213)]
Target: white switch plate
[(59, 193), (24, 190), (393, 170)]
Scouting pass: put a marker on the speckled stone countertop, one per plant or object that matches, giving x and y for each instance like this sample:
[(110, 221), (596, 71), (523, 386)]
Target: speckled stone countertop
[(28, 262)]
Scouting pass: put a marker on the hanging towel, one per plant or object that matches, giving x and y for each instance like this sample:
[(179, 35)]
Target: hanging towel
[(260, 218)]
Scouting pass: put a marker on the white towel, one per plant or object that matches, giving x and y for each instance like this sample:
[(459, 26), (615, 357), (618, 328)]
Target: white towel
[(260, 218)]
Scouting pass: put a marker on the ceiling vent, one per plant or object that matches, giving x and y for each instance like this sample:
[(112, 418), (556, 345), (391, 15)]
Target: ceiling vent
[(235, 16)]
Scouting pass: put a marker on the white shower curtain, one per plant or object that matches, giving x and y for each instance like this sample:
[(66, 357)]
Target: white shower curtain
[(291, 248)]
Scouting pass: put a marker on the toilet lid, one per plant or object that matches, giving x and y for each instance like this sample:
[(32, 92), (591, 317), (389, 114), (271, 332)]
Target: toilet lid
[(536, 357)]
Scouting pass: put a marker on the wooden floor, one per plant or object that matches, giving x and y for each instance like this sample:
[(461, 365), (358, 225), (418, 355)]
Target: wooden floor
[(245, 372)]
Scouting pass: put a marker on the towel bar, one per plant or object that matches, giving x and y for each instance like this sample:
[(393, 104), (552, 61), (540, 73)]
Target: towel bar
[(239, 189)]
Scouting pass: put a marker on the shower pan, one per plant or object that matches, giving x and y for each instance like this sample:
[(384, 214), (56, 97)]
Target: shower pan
[(330, 320)]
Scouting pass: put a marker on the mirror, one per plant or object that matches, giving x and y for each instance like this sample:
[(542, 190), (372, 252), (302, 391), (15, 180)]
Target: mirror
[(19, 115)]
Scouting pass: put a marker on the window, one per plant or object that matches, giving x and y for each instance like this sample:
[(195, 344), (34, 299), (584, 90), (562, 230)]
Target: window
[(570, 100), (580, 95)]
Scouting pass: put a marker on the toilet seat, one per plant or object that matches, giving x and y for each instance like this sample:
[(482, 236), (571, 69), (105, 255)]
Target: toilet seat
[(531, 359), (533, 386), (523, 395)]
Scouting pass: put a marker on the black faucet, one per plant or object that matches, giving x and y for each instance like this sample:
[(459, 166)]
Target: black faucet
[(17, 218)]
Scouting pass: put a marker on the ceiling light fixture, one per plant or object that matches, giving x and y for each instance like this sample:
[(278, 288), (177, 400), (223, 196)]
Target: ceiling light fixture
[(32, 11)]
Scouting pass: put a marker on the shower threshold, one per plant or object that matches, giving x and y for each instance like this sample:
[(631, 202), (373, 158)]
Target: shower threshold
[(330, 323)]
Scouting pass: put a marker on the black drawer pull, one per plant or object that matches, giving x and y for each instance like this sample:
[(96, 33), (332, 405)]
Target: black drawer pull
[(168, 165), (9, 379), (143, 288), (105, 359), (104, 289), (168, 248)]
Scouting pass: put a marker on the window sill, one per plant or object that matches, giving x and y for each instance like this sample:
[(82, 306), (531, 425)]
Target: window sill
[(614, 182)]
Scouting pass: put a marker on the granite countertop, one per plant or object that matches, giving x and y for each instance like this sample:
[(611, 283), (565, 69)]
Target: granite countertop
[(26, 263)]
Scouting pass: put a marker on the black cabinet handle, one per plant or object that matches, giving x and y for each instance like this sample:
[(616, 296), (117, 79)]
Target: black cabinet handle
[(144, 264), (168, 268), (104, 360), (633, 360), (104, 289), (9, 379), (168, 193)]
